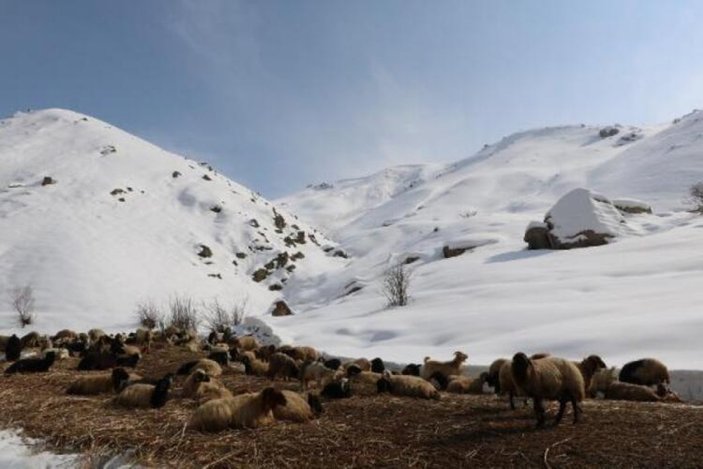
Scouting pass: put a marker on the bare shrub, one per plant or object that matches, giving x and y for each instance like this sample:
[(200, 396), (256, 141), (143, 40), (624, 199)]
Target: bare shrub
[(182, 313), (695, 197), (396, 283), (22, 300), (148, 314), (221, 319)]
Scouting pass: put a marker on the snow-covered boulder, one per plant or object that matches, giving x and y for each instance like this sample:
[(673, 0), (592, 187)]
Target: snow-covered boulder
[(579, 219)]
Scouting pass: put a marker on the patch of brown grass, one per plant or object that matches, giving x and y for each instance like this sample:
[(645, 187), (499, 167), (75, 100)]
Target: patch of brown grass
[(380, 431)]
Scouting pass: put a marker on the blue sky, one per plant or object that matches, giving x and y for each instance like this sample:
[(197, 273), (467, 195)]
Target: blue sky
[(279, 94)]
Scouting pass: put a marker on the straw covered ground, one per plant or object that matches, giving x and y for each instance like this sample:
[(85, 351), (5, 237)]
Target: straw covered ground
[(380, 431)]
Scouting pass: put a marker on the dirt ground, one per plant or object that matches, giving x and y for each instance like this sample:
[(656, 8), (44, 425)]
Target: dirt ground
[(379, 431)]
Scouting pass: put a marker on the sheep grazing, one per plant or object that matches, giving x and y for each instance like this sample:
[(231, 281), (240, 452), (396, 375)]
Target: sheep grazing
[(283, 366), (647, 372), (333, 363), (588, 367), (99, 384), (403, 385), (13, 348), (631, 392), (493, 377), (337, 389), (297, 409), (411, 369), (145, 395), (466, 385), (507, 384), (317, 372), (212, 368), (446, 369), (549, 378), (242, 411), (32, 365), (377, 365)]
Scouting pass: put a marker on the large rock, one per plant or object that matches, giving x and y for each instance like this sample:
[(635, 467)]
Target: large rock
[(280, 308), (579, 219)]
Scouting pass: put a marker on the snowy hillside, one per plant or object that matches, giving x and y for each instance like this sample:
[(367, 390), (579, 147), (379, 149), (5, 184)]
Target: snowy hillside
[(635, 297), (118, 221)]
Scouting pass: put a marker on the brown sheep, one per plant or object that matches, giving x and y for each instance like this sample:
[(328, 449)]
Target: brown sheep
[(364, 383), (210, 390), (283, 366), (296, 409), (33, 340), (647, 372), (211, 367), (306, 353), (254, 366), (588, 367), (265, 351), (362, 363), (95, 334), (600, 381), (631, 392), (549, 378), (249, 410), (246, 343), (64, 336), (465, 385), (193, 381), (406, 385), (507, 384), (445, 369), (99, 384), (493, 377), (317, 372), (145, 395)]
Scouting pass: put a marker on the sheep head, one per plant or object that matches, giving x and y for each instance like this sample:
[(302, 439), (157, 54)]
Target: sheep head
[(119, 378), (593, 363), (272, 398), (384, 385), (521, 366)]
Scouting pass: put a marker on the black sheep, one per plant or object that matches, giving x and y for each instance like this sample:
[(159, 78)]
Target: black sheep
[(160, 394), (220, 357), (127, 360), (337, 390), (186, 367), (377, 365), (333, 363), (412, 369), (97, 361), (13, 349), (32, 365)]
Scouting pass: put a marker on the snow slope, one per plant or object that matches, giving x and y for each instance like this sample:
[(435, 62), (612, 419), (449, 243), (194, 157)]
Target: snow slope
[(632, 298), (126, 221)]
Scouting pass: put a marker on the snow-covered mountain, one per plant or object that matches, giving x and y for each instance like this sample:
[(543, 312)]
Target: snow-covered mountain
[(634, 297), (96, 220), (120, 221)]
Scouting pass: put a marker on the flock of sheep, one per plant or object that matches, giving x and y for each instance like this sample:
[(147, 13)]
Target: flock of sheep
[(539, 377)]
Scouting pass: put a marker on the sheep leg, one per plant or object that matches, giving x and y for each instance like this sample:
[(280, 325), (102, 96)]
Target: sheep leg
[(539, 411), (512, 402), (577, 409), (562, 408)]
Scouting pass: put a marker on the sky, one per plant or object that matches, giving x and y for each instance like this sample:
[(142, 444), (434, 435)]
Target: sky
[(281, 94)]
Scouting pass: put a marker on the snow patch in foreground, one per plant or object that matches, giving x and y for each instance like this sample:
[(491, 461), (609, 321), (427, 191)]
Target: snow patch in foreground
[(17, 452)]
